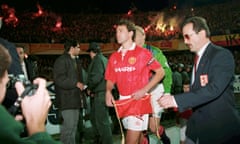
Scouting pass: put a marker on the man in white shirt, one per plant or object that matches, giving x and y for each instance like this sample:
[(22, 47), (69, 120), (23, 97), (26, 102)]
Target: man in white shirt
[(27, 65)]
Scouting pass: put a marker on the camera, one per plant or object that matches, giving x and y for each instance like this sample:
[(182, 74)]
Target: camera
[(30, 90), (14, 78)]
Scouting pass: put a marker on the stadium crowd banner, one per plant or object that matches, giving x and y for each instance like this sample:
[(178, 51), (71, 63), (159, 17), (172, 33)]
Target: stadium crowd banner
[(107, 48), (166, 44), (227, 40)]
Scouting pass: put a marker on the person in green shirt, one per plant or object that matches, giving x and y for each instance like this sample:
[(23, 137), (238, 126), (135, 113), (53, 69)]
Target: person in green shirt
[(164, 86), (34, 110), (97, 89)]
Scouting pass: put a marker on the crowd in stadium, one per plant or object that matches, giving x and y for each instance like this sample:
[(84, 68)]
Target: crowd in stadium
[(49, 27)]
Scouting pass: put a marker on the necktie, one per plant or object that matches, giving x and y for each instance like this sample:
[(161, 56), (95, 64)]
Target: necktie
[(195, 63)]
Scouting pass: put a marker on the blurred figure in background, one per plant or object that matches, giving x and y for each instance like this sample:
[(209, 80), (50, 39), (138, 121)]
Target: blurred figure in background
[(29, 68), (184, 73), (177, 79), (184, 116), (163, 87), (97, 90)]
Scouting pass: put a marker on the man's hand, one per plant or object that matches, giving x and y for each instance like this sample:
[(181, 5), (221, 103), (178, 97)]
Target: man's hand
[(167, 101), (109, 99), (139, 94), (35, 108), (80, 86)]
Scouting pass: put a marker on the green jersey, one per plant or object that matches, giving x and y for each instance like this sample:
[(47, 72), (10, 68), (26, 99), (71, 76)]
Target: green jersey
[(160, 57)]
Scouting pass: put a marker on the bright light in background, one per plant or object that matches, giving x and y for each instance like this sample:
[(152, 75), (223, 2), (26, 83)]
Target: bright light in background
[(161, 26), (159, 23), (129, 13), (40, 10), (58, 23), (147, 28), (10, 17), (174, 7)]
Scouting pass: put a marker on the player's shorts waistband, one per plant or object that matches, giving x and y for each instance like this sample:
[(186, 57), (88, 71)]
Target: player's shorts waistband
[(124, 97)]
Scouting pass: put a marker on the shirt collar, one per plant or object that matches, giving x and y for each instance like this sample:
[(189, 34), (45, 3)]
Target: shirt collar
[(131, 48), (23, 63), (200, 53)]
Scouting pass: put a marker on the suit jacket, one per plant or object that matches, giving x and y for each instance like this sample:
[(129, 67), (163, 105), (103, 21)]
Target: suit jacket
[(31, 69), (215, 118), (66, 76)]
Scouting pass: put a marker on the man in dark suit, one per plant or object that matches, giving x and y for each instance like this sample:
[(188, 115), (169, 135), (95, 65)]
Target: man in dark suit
[(215, 119)]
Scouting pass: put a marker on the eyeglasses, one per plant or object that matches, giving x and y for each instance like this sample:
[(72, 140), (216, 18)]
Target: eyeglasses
[(188, 36)]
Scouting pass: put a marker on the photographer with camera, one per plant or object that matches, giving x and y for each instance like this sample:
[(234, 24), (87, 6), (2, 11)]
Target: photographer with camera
[(34, 110), (14, 70)]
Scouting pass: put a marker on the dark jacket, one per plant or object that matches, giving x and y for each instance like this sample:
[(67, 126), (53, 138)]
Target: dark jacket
[(31, 69), (215, 118), (96, 70), (15, 67), (66, 76)]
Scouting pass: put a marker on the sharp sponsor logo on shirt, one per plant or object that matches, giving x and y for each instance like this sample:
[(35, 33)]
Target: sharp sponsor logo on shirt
[(125, 69)]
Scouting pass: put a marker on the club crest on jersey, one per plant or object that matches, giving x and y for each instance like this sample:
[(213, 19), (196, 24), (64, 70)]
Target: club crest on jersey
[(132, 60)]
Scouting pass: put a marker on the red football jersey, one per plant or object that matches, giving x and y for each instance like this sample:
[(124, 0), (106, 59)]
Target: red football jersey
[(132, 71)]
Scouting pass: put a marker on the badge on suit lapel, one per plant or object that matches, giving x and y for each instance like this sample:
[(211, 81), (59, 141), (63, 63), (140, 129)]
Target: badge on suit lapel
[(204, 80)]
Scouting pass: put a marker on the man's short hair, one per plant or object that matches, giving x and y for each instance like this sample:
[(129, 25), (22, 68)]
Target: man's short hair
[(70, 43), (5, 60), (130, 26)]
